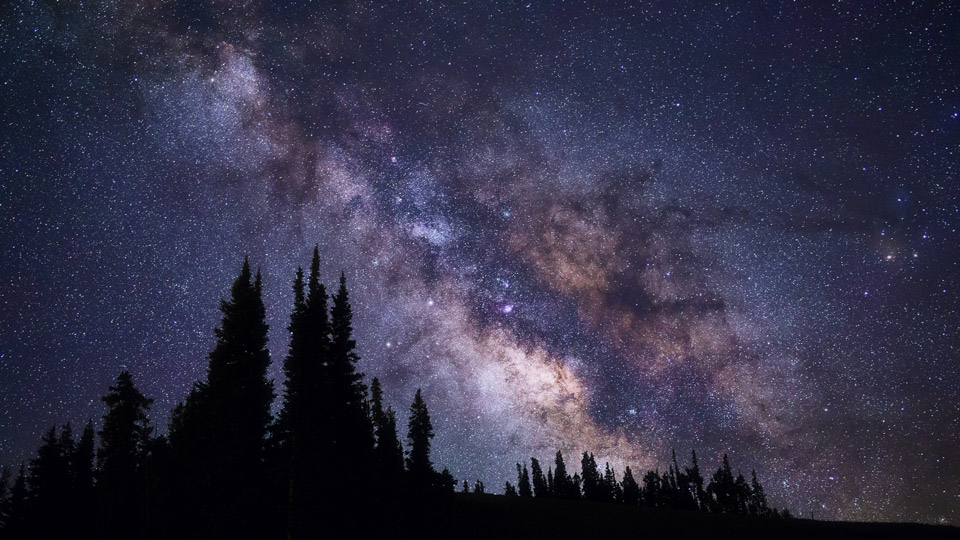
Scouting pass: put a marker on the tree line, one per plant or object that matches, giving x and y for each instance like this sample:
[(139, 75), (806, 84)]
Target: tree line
[(229, 468), (681, 489)]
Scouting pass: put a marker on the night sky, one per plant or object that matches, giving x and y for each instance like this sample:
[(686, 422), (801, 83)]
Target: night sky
[(622, 230)]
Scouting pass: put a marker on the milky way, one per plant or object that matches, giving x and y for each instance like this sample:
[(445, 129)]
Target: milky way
[(619, 230)]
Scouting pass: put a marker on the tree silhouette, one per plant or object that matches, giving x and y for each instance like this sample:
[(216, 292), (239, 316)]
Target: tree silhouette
[(758, 499), (631, 490), (563, 485), (479, 488), (696, 483), (539, 481), (50, 484), (419, 433), (523, 480), (351, 433), (16, 509), (742, 493), (509, 490), (82, 491), (218, 436), (445, 482), (123, 441), (722, 489), (388, 453), (612, 491), (576, 491), (590, 476), (651, 489)]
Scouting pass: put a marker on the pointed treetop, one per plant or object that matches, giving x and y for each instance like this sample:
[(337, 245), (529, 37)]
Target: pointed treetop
[(315, 268), (298, 296)]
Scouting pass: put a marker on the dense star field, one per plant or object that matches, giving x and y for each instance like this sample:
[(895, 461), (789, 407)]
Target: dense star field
[(622, 230)]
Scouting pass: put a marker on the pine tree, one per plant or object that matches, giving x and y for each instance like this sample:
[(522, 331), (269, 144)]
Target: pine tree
[(758, 499), (466, 487), (479, 488), (82, 484), (539, 481), (550, 488), (17, 509), (296, 393), (388, 452), (612, 490), (352, 433), (306, 423), (50, 485), (722, 489), (123, 439), (631, 490), (696, 482), (419, 433), (590, 477), (523, 481), (576, 491), (509, 490), (742, 492), (651, 489), (445, 482), (218, 437), (562, 483)]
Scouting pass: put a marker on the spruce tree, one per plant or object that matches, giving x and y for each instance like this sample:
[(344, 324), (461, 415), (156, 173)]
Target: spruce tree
[(539, 481), (17, 509), (306, 423), (419, 432), (722, 489), (631, 490), (563, 487), (82, 484), (612, 489), (509, 490), (50, 485), (351, 431), (123, 440), (758, 499), (523, 481), (742, 491), (445, 482), (466, 487), (700, 496), (550, 489), (590, 476), (651, 489), (218, 436), (388, 453)]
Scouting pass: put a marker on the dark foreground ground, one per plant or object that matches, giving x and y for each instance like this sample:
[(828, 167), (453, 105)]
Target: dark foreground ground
[(497, 517)]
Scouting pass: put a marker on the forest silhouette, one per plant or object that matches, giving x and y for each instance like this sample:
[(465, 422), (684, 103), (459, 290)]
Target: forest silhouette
[(331, 462)]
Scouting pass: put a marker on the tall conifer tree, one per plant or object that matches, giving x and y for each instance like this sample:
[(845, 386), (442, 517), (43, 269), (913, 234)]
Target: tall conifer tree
[(523, 481), (219, 434), (420, 431), (352, 433), (388, 451), (631, 490), (539, 480), (123, 440), (50, 485)]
